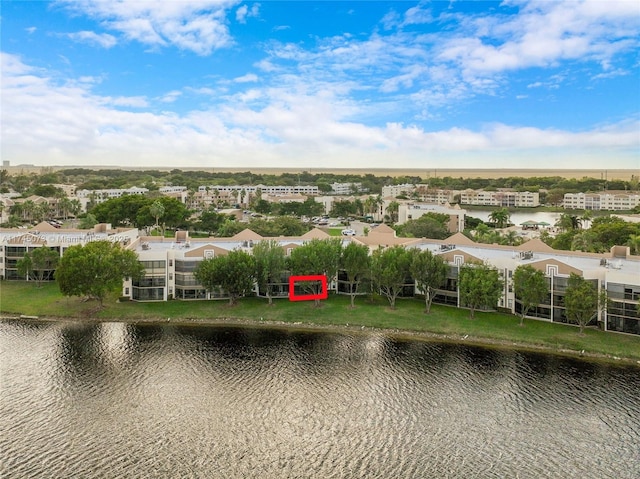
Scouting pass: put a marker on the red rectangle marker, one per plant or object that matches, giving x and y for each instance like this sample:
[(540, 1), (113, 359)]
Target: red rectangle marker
[(308, 297)]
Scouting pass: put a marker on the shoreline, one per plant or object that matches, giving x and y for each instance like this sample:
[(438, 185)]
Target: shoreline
[(400, 334)]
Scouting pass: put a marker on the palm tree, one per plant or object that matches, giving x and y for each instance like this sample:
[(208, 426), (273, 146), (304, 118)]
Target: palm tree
[(634, 244), (64, 206), (568, 222), (500, 217), (586, 217), (28, 210), (75, 207), (481, 230), (157, 211), (511, 238), (42, 211), (392, 210)]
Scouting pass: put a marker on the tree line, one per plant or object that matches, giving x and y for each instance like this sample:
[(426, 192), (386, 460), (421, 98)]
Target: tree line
[(91, 179)]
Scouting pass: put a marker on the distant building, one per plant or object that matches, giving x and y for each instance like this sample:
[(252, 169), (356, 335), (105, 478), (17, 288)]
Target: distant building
[(610, 200), (398, 190), (100, 196), (309, 190), (413, 211), (502, 198), (69, 190), (172, 189), (346, 188)]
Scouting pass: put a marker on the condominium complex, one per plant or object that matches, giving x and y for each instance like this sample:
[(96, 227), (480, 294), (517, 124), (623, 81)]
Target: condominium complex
[(391, 191), (503, 198), (170, 266), (103, 195), (269, 190), (413, 211), (611, 200), (346, 188)]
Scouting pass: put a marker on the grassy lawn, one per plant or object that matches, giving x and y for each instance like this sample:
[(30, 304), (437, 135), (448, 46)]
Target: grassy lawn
[(409, 317)]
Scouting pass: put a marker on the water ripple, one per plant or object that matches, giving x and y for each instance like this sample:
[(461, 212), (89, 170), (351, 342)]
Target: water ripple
[(116, 400)]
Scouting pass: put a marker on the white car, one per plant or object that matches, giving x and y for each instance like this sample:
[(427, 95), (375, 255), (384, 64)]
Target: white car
[(348, 232)]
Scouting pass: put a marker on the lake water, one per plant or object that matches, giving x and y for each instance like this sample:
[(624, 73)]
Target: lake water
[(116, 400)]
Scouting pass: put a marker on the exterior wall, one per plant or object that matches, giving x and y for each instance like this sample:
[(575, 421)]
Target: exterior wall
[(601, 201), (500, 198), (436, 196), (345, 188), (15, 243), (99, 196), (397, 190), (269, 190), (326, 201), (172, 189), (413, 211)]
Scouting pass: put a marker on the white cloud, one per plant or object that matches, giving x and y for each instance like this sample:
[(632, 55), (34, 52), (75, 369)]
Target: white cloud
[(542, 34), (295, 125), (31, 30), (195, 25), (243, 12), (101, 39), (171, 96), (248, 78), (417, 15), (128, 101)]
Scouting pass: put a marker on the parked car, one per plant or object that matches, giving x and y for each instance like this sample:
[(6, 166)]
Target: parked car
[(348, 232)]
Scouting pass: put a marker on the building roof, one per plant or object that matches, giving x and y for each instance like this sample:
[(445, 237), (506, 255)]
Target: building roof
[(459, 239), (535, 244), (247, 234), (316, 233)]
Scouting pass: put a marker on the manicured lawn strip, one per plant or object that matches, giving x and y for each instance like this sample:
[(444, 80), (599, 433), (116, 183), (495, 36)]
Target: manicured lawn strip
[(25, 298)]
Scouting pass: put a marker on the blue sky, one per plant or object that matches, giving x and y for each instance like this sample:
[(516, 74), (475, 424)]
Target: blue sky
[(310, 84)]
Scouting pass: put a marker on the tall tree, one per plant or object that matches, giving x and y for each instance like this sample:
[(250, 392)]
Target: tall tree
[(96, 269), (530, 287), (210, 221), (316, 257), (581, 301), (64, 207), (431, 225), (233, 272), (390, 269), (429, 272), (355, 262), (88, 222), (392, 210), (38, 264), (634, 244), (270, 265), (157, 211), (567, 222), (500, 217), (479, 285)]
